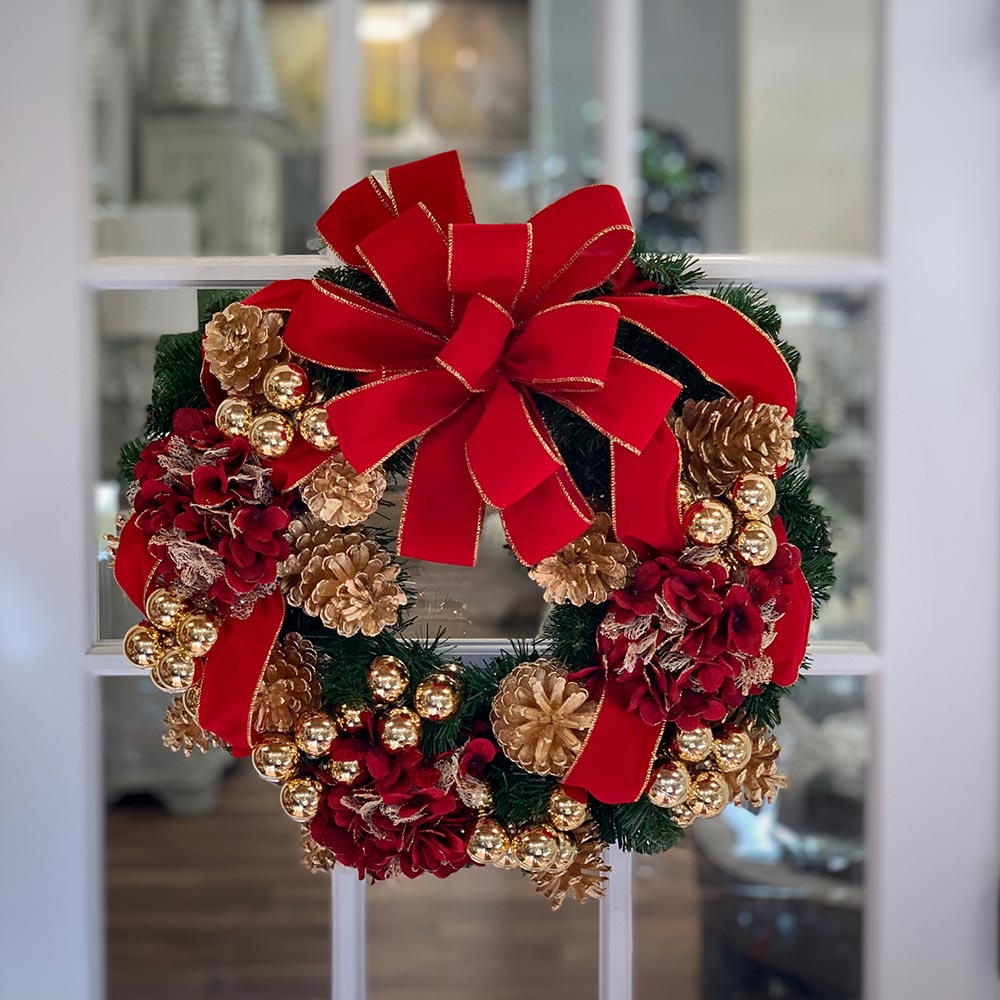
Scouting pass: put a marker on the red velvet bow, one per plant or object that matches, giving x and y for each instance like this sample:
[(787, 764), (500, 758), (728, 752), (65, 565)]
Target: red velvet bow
[(484, 320)]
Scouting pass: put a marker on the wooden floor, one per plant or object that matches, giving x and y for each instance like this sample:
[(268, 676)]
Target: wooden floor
[(218, 906)]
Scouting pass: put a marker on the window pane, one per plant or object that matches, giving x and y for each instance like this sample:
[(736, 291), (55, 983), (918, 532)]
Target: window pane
[(485, 933), (207, 122), (508, 83), (752, 907), (754, 114), (205, 894)]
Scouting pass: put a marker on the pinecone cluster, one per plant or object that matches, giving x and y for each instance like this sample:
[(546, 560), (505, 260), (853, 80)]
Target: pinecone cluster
[(241, 344), (183, 732), (541, 718), (726, 438), (587, 570), (759, 781), (289, 686), (586, 876), (342, 577), (315, 857), (339, 495)]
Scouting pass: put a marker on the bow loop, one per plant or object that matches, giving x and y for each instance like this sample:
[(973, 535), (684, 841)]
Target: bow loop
[(489, 260)]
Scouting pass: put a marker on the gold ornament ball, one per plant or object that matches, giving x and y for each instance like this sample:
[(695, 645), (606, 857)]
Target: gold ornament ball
[(388, 678), (197, 633), (565, 852), (694, 745), (488, 842), (536, 847), (753, 495), (300, 798), (507, 861), (349, 719), (174, 671), (732, 750), (710, 793), (478, 797), (314, 430), (683, 815), (670, 786), (685, 496), (756, 543), (286, 387), (234, 416), (399, 729), (314, 732), (275, 758), (271, 434), (142, 645), (708, 522), (164, 609), (565, 812), (436, 698), (344, 772)]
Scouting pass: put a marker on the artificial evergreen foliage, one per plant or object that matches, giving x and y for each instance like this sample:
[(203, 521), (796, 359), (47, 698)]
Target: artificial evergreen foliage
[(636, 826)]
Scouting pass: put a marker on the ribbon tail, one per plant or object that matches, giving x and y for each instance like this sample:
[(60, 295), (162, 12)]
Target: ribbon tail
[(134, 567), (617, 760), (788, 648), (232, 671), (549, 517), (644, 502), (443, 511)]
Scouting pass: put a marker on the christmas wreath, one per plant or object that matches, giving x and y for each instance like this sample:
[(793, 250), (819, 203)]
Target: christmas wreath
[(641, 442)]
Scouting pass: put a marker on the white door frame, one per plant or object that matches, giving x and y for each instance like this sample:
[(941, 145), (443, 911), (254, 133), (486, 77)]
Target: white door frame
[(931, 893)]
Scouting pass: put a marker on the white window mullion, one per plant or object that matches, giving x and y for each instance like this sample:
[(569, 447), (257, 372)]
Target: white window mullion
[(615, 947), (348, 969), (343, 149)]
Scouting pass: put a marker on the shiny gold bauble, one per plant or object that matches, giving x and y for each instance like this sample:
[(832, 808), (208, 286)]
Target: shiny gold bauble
[(271, 434), (344, 772), (710, 793), (174, 671), (708, 522), (694, 745), (164, 609), (388, 678), (732, 750), (454, 670), (566, 812), (478, 797), (670, 786), (300, 798), (683, 815), (436, 698), (399, 729), (275, 757), (753, 495), (286, 387), (234, 416), (314, 430), (142, 645), (536, 847), (314, 732), (197, 633), (488, 842), (756, 543), (685, 496), (507, 861), (565, 852), (349, 719)]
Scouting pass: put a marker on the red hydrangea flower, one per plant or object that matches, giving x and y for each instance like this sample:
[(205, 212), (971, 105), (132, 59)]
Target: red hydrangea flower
[(396, 818)]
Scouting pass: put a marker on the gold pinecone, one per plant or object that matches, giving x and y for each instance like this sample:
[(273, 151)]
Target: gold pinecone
[(289, 685), (586, 570), (350, 585), (242, 343), (759, 781), (339, 495), (315, 857), (308, 536), (183, 732), (540, 718), (585, 878), (725, 438)]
